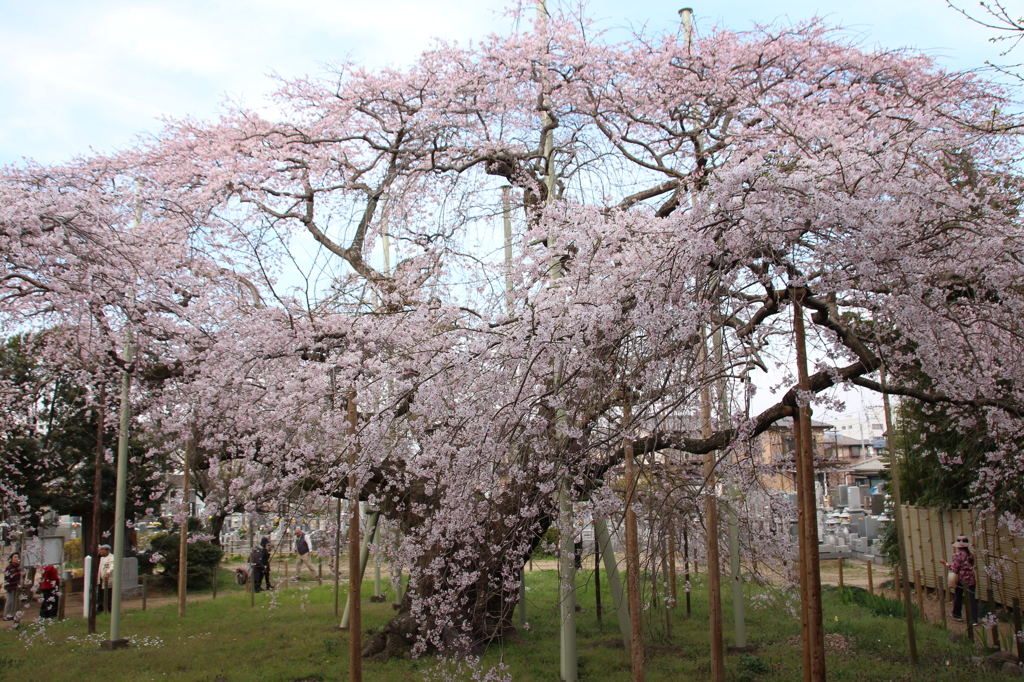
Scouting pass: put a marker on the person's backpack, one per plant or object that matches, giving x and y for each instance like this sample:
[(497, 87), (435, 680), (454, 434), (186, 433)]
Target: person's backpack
[(254, 557)]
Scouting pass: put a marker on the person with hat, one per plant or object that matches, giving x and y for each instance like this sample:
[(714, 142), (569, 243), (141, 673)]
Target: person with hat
[(261, 565), (105, 573), (303, 546), (963, 566)]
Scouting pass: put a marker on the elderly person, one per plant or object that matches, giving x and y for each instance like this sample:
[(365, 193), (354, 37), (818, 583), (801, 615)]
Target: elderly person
[(13, 575), (105, 573), (303, 546)]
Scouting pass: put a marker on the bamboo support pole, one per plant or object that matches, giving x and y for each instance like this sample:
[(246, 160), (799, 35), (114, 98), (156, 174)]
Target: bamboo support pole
[(901, 536), (920, 597), (1017, 628)]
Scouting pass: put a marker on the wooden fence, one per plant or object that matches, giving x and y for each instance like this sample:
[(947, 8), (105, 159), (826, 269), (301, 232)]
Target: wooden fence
[(929, 537)]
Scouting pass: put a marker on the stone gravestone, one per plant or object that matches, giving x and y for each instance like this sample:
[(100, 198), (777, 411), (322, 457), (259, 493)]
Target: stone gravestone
[(854, 499), (844, 497), (130, 586)]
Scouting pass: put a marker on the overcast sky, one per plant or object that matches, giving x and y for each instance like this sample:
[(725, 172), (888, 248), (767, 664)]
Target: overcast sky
[(78, 75)]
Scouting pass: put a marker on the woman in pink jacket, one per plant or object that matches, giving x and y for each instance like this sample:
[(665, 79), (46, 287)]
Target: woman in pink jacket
[(963, 565)]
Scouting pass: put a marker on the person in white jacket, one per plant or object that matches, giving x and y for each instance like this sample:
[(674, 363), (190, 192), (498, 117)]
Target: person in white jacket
[(105, 573)]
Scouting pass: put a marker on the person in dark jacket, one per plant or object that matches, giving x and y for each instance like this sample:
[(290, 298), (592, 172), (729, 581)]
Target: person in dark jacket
[(261, 566), (302, 549), (12, 584), (49, 582)]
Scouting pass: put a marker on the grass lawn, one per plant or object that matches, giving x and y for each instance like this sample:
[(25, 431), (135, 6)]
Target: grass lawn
[(288, 636)]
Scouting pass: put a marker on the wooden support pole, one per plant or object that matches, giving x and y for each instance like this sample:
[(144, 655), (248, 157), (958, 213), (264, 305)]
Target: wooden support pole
[(840, 563), (216, 570), (65, 590), (711, 525), (568, 652), (183, 529), (672, 562), (145, 590), (337, 554), (871, 582), (686, 565), (968, 610), (597, 579), (636, 638), (942, 605)]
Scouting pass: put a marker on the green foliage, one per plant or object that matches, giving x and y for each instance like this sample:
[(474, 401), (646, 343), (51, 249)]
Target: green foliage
[(48, 438), (750, 667), (923, 433), (203, 556), (876, 603), (73, 550), (890, 543)]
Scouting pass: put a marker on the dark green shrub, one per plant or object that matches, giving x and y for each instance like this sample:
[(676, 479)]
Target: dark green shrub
[(751, 666), (879, 604), (202, 557)]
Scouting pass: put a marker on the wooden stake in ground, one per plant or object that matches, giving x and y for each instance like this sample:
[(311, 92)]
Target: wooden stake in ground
[(633, 559), (183, 530), (894, 470), (841, 573), (871, 582), (355, 624), (811, 574)]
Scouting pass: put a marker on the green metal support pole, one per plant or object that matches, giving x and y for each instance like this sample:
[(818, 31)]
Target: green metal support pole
[(611, 571), (119, 499), (364, 555)]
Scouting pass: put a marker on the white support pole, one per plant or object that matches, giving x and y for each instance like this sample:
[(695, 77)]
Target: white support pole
[(611, 571), (85, 591)]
